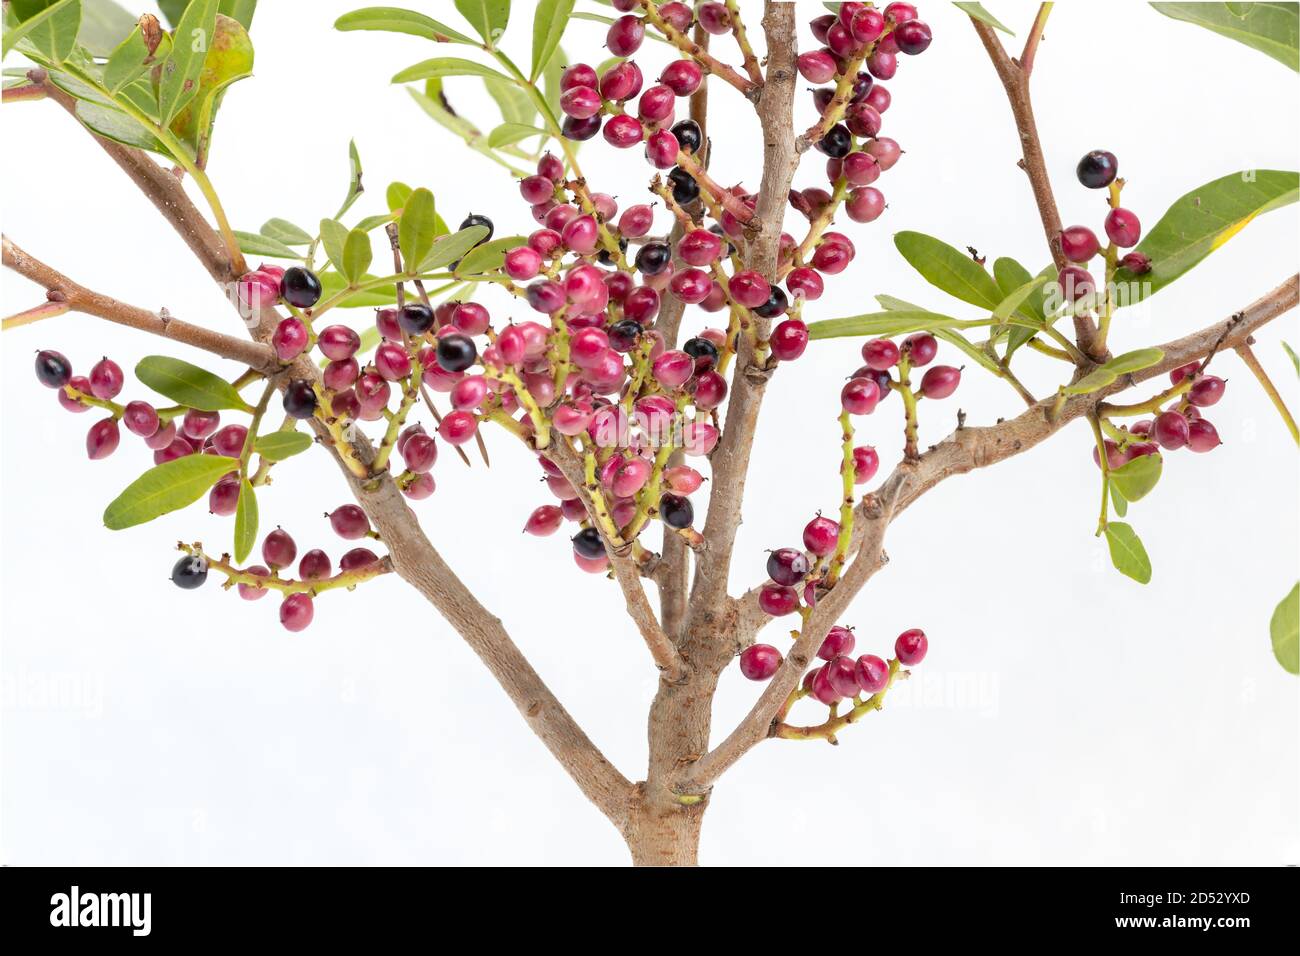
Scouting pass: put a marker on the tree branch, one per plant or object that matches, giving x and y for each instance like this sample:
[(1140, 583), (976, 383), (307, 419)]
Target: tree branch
[(1015, 80), (413, 556), (730, 460), (963, 451), (78, 298)]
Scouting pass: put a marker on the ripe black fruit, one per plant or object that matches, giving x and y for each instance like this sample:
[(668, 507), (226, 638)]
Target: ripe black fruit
[(300, 287), (676, 511), (837, 143), (588, 544), (685, 188), (53, 369), (456, 352), (1097, 169), (688, 135), (703, 351), (775, 305), (300, 399), (415, 318), (653, 258), (190, 572)]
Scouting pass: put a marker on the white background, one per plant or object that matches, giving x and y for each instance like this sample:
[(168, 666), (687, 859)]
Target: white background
[(1065, 715)]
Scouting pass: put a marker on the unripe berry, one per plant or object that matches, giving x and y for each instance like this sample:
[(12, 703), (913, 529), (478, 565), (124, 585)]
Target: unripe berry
[(656, 104), (1206, 391), (386, 323), (673, 369), (140, 418), (229, 440), (842, 675), (1123, 228), (760, 661), (338, 376), (625, 35), (349, 521), (1136, 263), (880, 354), (862, 120), (251, 592), (866, 462), (699, 247), (458, 427), (749, 288), (683, 77), (314, 566), (715, 18), (636, 221), (920, 348), (940, 381), (223, 499), (821, 535), (1170, 430), (821, 688), (199, 424), (661, 150), (699, 439), (1202, 436), (545, 520), (911, 646), (102, 439), (357, 558), (682, 479), (860, 169), (817, 66), (621, 82), (866, 25), (1079, 243), (677, 15), (872, 673), (296, 611), (1180, 373), (579, 74), (839, 640), (777, 599), (623, 131), (860, 396), (912, 37), (710, 390), (338, 342), (1075, 283), (392, 362), (1097, 169), (106, 379), (882, 65)]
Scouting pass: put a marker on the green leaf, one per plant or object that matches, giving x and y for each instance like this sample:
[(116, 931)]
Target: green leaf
[(277, 446), (282, 230), (976, 11), (508, 134), (333, 284), (516, 106), (445, 66), (1127, 553), (241, 10), (357, 255), (1204, 219), (395, 20), (49, 28), (1015, 299), (1134, 479), (450, 248), (371, 223), (179, 82), (258, 244), (166, 488), (1103, 375), (489, 256), (245, 521), (397, 195), (115, 125), (415, 228), (1117, 501), (187, 384), (1267, 27), (1134, 361), (228, 60), (355, 188), (487, 17), (104, 26), (1284, 627), (549, 21), (949, 269), (128, 62), (333, 236), (1295, 359), (891, 322)]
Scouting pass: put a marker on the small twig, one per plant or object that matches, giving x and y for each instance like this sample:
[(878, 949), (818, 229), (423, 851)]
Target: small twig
[(1248, 356)]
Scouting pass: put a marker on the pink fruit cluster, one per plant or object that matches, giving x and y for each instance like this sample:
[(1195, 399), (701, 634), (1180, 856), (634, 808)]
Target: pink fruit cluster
[(1179, 424), (841, 676)]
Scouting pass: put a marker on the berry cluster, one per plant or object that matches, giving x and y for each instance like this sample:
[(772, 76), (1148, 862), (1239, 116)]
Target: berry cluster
[(1079, 244), (1178, 422)]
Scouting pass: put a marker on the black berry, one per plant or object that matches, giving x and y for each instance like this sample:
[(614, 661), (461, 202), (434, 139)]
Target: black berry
[(685, 188), (1097, 169), (53, 369), (653, 258), (415, 319), (837, 142), (775, 305), (676, 511), (300, 399), (688, 135), (474, 219), (587, 544), (703, 351), (456, 352), (300, 287), (624, 335), (190, 572), (581, 129)]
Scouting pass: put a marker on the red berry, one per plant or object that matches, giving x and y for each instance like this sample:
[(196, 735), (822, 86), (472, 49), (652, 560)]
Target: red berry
[(865, 204), (579, 74), (102, 439), (106, 379), (1079, 243), (873, 674), (356, 559), (545, 520), (842, 675), (912, 37), (817, 66), (940, 381), (1202, 436), (661, 150), (1075, 283), (625, 35), (296, 611), (777, 599), (804, 283), (920, 349), (749, 288), (789, 339), (759, 661), (229, 440), (1206, 391), (839, 640), (458, 427), (911, 646), (788, 566), (349, 521), (683, 77), (140, 418), (279, 549), (860, 396), (223, 499), (1123, 228), (1171, 430), (880, 354), (821, 687), (1136, 263), (315, 566), (821, 535), (866, 462)]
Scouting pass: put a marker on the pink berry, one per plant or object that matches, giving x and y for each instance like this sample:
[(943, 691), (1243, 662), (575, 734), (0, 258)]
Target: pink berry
[(1206, 391), (777, 599), (839, 640), (198, 424), (817, 66), (1079, 243), (842, 675), (349, 521), (683, 77), (682, 479), (911, 646), (673, 369), (1171, 430), (1202, 436), (314, 566), (545, 520), (106, 379), (636, 221), (338, 342), (873, 674), (1123, 228), (625, 35), (356, 559), (621, 82), (279, 549), (656, 104), (296, 611), (458, 427), (860, 396), (140, 418), (866, 462), (254, 592), (229, 440), (880, 354), (102, 439), (749, 288), (661, 150), (579, 74), (392, 362), (940, 381), (920, 348), (760, 661), (821, 535)]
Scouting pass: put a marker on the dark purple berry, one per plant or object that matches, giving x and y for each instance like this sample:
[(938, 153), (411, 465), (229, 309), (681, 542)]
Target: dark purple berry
[(676, 511), (190, 572), (53, 369), (300, 287), (1097, 169), (300, 399), (456, 352)]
